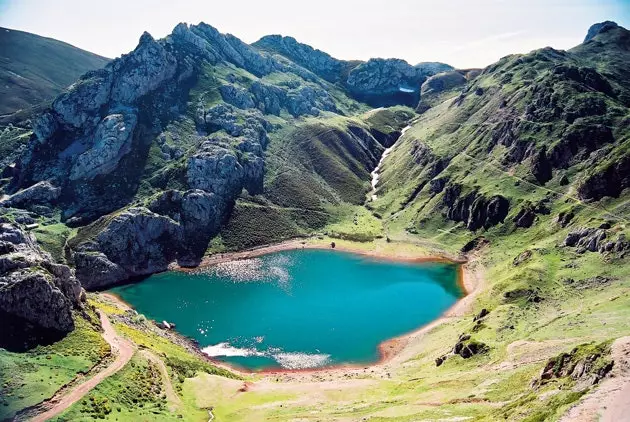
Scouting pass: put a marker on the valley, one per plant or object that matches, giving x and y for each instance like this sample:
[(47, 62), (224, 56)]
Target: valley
[(199, 153)]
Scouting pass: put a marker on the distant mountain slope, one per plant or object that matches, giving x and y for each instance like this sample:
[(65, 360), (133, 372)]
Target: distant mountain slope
[(34, 69), (378, 82)]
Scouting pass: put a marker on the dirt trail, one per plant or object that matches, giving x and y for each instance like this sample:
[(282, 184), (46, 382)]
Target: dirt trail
[(610, 401), (124, 351), (171, 396)]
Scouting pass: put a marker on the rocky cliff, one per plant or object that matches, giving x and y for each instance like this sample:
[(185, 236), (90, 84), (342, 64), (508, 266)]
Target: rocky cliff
[(35, 292), (378, 82)]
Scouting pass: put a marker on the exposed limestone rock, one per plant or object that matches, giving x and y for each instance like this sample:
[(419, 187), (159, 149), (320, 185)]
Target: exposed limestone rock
[(610, 181), (45, 126), (215, 169), (525, 217), (442, 82), (564, 218), (137, 240), (269, 98), (585, 239), (141, 71), (40, 193), (596, 240), (83, 100), (96, 271), (585, 364), (390, 81), (579, 140), (482, 314), (236, 96), (467, 348), (314, 60), (599, 28), (112, 140), (522, 257), (541, 166), (32, 286), (474, 244)]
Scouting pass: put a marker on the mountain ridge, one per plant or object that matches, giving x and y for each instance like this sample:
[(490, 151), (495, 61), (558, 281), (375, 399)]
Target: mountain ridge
[(26, 82)]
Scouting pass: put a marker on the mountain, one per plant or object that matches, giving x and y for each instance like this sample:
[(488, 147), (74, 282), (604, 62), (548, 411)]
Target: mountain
[(34, 69), (198, 144), (176, 144), (377, 82), (528, 168)]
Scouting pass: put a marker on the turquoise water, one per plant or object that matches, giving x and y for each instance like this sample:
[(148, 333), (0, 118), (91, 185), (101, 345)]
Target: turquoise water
[(297, 309)]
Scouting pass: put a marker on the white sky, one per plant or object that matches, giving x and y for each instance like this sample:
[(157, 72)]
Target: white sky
[(463, 33)]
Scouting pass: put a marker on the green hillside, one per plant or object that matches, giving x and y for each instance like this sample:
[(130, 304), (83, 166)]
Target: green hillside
[(34, 69)]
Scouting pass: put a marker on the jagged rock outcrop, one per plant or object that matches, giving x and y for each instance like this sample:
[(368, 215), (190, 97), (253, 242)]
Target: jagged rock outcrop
[(596, 240), (316, 61), (379, 82), (466, 347), (135, 242), (608, 181), (579, 140), (112, 140), (473, 209), (442, 82), (541, 167), (526, 216), (215, 169), (564, 218), (586, 365), (39, 193), (33, 288)]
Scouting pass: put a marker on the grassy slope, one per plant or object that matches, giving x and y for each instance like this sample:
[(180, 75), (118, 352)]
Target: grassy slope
[(29, 378), (34, 69), (137, 392), (317, 178)]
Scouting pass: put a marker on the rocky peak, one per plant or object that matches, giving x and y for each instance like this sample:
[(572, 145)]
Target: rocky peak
[(316, 61), (146, 38), (599, 28)]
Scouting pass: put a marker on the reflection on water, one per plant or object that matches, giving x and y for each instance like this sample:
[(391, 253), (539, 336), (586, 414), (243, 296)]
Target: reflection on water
[(297, 309)]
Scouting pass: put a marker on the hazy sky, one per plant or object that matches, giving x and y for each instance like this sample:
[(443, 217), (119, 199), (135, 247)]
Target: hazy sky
[(463, 33)]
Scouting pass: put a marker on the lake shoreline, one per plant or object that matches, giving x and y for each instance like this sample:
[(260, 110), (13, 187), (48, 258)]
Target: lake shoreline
[(296, 244), (469, 279)]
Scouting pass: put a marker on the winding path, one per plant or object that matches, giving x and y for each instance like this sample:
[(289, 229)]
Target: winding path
[(171, 396), (123, 349)]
